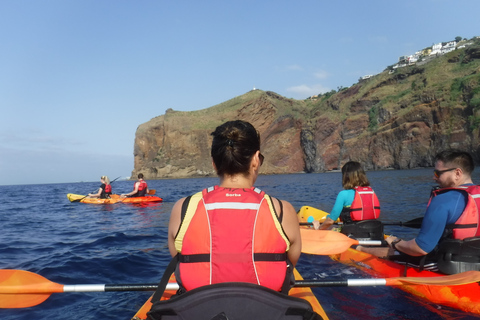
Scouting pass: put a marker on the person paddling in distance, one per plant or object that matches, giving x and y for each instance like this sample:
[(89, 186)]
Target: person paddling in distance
[(104, 191), (355, 204), (234, 232), (140, 188), (449, 236)]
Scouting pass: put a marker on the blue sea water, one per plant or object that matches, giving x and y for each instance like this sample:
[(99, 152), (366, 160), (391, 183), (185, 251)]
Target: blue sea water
[(76, 243)]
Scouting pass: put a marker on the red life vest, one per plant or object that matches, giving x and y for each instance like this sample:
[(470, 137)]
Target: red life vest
[(142, 189), (365, 205), (467, 225), (231, 235), (142, 185), (108, 189)]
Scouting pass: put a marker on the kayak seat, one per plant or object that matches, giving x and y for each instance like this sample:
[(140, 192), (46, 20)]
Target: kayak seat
[(232, 301), (364, 230), (456, 256)]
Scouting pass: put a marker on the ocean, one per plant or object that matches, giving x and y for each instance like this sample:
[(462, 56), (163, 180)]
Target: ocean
[(77, 243)]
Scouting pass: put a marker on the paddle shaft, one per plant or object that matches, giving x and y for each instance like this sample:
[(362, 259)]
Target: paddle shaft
[(174, 286), (115, 287), (415, 223)]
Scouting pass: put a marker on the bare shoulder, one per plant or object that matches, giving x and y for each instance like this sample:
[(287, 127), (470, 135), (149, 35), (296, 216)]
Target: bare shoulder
[(178, 205)]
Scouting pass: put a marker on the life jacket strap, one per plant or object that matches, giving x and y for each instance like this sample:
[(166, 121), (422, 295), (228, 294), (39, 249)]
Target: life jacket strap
[(205, 257)]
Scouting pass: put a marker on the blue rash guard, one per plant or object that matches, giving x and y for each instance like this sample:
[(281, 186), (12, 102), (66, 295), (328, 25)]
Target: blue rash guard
[(344, 199), (444, 209)]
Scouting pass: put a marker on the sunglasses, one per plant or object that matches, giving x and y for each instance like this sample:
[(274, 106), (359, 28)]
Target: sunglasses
[(261, 157), (438, 173)]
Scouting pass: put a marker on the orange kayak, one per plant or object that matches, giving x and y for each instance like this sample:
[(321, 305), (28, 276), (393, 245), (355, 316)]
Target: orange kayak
[(464, 297), (299, 292), (114, 198)]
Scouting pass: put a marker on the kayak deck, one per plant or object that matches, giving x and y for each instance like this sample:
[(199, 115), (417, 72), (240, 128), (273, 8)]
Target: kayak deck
[(114, 198), (304, 293)]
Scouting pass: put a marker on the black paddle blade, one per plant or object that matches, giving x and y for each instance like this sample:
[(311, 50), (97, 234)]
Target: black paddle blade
[(415, 223)]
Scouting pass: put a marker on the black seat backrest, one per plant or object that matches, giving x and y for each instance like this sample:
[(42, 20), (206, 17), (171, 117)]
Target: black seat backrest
[(366, 229), (232, 301)]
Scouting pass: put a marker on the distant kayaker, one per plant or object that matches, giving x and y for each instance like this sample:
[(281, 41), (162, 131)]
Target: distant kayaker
[(356, 203), (451, 217), (140, 188), (104, 191), (234, 232)]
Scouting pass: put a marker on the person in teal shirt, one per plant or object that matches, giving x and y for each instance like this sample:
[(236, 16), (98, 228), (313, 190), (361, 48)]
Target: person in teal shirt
[(353, 176)]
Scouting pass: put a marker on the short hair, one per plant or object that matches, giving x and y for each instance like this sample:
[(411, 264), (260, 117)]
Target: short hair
[(233, 146), (140, 176), (457, 158), (353, 175)]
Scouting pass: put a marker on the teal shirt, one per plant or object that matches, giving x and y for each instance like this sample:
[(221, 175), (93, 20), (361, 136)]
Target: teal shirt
[(344, 199)]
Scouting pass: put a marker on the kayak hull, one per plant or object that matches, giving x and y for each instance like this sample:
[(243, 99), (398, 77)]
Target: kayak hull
[(303, 293), (114, 198)]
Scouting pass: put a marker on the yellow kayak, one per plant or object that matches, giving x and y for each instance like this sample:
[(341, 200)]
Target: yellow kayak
[(114, 198), (308, 214)]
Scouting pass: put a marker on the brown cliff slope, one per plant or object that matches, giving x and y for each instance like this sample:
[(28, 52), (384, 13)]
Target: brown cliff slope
[(397, 120)]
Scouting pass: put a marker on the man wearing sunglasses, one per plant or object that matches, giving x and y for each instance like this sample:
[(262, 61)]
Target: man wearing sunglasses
[(452, 214)]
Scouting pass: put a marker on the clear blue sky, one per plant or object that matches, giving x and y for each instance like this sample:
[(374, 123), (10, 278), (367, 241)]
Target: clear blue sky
[(77, 77)]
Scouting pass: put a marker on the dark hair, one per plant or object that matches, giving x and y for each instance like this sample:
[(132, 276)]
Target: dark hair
[(233, 146), (353, 175), (457, 158), (140, 176)]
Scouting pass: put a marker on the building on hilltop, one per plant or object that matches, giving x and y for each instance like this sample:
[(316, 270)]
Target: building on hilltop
[(436, 48), (449, 46), (441, 48)]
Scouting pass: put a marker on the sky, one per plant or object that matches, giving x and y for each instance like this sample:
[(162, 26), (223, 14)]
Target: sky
[(78, 77)]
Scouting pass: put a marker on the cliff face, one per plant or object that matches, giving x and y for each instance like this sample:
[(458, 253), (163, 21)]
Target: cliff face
[(394, 120)]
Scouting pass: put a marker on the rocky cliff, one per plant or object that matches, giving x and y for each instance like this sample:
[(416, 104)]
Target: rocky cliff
[(397, 119)]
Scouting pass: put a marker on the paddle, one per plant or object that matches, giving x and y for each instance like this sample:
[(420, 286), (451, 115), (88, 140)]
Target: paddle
[(415, 223), (22, 289), (79, 199), (450, 280), (326, 242)]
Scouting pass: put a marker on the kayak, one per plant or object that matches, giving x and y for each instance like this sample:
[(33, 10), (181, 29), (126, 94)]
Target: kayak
[(304, 293), (464, 297), (308, 214), (114, 198)]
